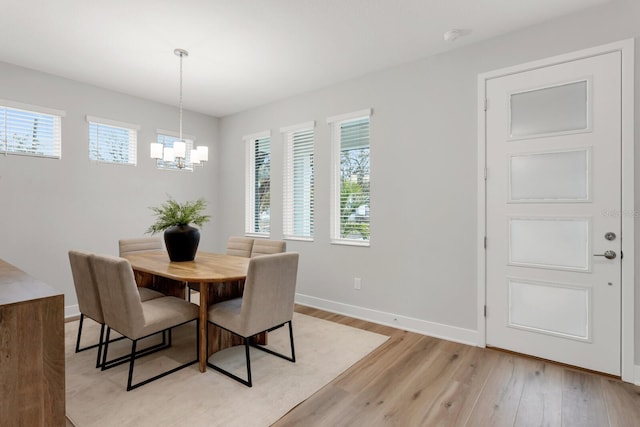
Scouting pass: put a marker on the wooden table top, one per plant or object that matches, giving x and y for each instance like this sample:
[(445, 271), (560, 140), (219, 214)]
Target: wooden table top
[(206, 267)]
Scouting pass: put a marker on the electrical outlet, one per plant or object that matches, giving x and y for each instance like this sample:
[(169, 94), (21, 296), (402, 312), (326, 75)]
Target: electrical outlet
[(357, 283)]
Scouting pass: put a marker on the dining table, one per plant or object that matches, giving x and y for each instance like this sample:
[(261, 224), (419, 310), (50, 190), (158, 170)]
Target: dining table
[(221, 277)]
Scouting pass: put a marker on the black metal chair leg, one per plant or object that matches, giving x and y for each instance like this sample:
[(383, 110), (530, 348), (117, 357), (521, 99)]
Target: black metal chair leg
[(246, 350), (141, 353), (131, 362), (101, 342), (293, 350), (79, 332), (136, 354), (248, 342), (246, 382), (267, 350), (106, 348)]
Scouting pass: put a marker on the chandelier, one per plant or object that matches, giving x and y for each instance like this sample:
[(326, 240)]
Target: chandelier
[(177, 153)]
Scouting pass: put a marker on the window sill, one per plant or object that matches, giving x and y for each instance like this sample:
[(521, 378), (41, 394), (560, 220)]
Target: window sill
[(263, 235), (363, 243), (300, 239)]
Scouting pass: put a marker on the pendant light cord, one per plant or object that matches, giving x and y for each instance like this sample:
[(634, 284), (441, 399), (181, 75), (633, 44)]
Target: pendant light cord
[(181, 55)]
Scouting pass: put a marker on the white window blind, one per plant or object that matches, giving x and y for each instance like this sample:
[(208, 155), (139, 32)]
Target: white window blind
[(111, 141), (30, 130), (167, 139), (298, 182), (350, 209), (258, 185)]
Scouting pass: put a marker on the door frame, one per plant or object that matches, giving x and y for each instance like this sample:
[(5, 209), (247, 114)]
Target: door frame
[(626, 47)]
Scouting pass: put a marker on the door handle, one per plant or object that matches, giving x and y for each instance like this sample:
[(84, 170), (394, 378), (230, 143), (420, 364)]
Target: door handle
[(607, 254)]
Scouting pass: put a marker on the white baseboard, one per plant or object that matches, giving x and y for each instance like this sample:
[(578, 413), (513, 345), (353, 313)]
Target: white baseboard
[(636, 376), (437, 330), (71, 311)]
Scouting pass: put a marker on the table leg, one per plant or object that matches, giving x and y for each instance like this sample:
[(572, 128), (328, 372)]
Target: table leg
[(204, 297)]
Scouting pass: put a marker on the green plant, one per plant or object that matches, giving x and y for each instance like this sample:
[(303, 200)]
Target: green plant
[(172, 213)]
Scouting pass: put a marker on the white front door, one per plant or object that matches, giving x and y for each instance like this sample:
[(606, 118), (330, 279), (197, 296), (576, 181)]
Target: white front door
[(553, 200)]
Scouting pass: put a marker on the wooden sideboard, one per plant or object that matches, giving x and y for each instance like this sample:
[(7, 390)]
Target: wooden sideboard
[(32, 379)]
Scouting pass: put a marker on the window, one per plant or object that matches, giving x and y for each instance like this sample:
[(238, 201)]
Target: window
[(112, 142), (258, 182), (351, 179), (30, 130), (298, 181), (167, 138)]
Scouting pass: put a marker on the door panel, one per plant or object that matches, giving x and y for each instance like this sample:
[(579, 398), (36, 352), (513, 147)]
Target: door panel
[(557, 243), (550, 308), (549, 177), (553, 169), (549, 110)]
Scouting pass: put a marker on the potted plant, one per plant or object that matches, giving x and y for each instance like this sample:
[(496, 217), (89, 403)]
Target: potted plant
[(180, 238)]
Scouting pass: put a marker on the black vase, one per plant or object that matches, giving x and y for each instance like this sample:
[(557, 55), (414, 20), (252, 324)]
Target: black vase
[(181, 242)]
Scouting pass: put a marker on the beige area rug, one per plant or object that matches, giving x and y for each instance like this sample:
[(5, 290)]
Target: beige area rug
[(189, 398)]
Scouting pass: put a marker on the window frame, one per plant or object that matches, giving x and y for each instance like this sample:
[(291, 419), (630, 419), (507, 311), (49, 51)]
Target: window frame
[(335, 123), (56, 130), (289, 175), (132, 143), (250, 183)]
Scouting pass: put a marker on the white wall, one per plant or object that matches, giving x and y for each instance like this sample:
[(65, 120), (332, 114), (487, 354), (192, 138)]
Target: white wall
[(420, 270), (49, 206)]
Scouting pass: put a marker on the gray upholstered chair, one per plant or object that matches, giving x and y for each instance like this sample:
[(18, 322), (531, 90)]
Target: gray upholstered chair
[(140, 244), (267, 247), (267, 304), (239, 246), (125, 312), (143, 244), (89, 304), (236, 246)]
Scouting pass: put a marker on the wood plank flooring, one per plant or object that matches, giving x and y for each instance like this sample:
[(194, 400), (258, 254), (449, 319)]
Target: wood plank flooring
[(415, 380)]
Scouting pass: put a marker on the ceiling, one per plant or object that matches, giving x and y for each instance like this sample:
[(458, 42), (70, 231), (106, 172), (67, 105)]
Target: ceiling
[(246, 53)]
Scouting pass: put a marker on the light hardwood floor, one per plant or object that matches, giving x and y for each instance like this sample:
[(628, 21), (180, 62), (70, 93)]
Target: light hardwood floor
[(415, 380)]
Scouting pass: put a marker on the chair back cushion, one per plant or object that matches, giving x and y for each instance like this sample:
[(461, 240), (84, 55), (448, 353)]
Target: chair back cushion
[(140, 244), (267, 247), (119, 295), (239, 246), (269, 292), (85, 283)]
